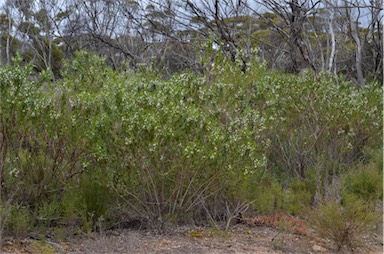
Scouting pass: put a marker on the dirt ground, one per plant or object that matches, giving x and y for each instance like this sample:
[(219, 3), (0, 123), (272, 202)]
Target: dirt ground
[(239, 239)]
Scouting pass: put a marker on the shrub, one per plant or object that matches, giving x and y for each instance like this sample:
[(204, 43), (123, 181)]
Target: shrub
[(283, 222), (344, 225), (269, 198), (183, 149), (365, 182), (96, 198), (299, 195), (42, 148), (312, 120), (19, 221), (48, 213)]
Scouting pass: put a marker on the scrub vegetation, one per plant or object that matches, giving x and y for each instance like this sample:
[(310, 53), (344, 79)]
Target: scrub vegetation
[(100, 148)]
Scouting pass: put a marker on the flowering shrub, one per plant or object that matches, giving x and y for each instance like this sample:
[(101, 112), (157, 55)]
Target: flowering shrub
[(178, 149)]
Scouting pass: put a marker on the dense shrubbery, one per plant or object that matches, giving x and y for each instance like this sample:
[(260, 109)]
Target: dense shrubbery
[(100, 145)]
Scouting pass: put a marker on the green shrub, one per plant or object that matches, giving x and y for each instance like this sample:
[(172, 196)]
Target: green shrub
[(96, 198), (365, 182), (41, 146), (74, 211), (312, 120), (182, 149), (48, 213), (299, 196), (19, 221), (72, 204), (176, 145), (269, 198), (344, 225)]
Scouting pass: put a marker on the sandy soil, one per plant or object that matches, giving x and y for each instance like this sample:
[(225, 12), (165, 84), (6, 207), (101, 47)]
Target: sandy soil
[(239, 239)]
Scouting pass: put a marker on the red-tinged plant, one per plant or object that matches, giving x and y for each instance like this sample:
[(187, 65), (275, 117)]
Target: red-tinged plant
[(282, 221)]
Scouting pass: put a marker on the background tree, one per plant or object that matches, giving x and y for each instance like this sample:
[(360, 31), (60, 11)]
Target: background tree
[(337, 36)]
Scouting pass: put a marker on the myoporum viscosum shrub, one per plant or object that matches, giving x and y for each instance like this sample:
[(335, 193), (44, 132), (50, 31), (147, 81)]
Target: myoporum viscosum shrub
[(189, 149)]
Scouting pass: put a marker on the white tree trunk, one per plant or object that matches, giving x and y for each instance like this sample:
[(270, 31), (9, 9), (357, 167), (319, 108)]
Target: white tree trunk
[(333, 41)]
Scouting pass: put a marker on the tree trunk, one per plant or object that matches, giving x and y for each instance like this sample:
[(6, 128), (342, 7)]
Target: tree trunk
[(8, 45), (333, 42), (356, 39)]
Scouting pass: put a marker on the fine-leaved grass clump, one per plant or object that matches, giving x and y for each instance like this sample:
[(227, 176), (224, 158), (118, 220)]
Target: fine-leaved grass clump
[(345, 225)]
